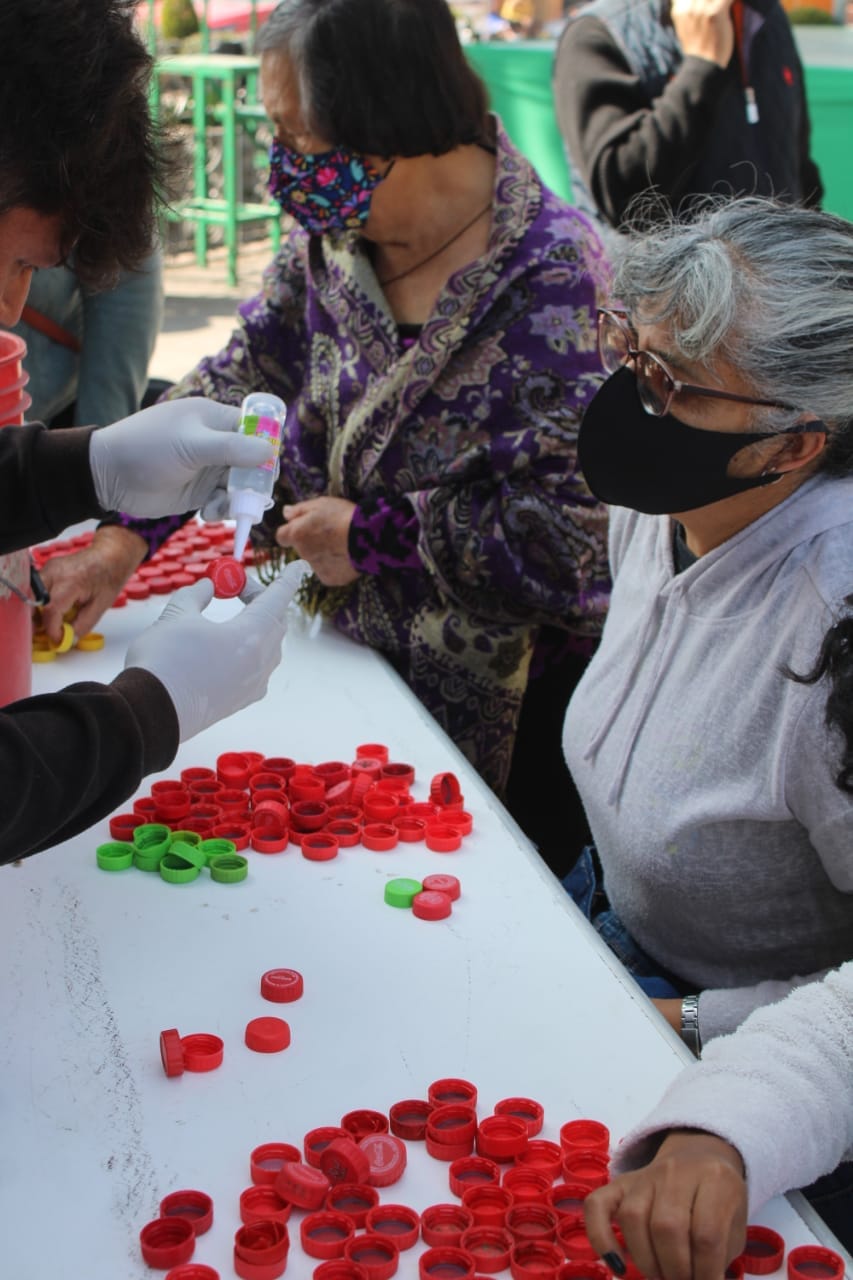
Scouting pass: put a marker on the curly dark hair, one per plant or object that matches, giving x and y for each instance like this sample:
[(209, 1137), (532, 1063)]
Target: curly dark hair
[(76, 136)]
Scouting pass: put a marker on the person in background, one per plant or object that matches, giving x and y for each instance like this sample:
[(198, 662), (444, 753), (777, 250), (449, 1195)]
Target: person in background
[(711, 737), (74, 177), (766, 1110), (683, 98), (88, 350), (430, 324)]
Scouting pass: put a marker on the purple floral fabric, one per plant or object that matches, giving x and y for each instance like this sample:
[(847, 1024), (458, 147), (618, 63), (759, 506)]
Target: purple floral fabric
[(384, 535), (475, 425)]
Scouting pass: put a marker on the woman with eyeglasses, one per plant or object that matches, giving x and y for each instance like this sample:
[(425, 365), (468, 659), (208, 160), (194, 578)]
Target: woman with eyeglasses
[(711, 738)]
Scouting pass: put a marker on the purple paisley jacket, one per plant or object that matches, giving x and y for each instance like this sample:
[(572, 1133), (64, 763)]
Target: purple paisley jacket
[(474, 423)]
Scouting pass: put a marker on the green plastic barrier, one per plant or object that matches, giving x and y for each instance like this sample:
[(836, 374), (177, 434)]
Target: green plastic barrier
[(518, 78)]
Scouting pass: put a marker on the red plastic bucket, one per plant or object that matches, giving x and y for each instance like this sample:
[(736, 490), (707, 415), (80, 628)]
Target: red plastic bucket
[(12, 414), (12, 352), (15, 617)]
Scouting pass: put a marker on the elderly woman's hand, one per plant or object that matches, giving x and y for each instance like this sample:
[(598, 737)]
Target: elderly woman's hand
[(683, 1216), (87, 582), (318, 530)]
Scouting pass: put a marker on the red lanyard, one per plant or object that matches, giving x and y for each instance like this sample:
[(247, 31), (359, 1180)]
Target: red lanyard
[(748, 91)]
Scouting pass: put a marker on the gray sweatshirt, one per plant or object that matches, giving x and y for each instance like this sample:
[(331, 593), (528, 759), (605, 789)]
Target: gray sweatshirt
[(707, 775), (779, 1090)]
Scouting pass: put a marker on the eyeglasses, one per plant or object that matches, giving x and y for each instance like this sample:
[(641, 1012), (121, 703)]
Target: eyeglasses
[(656, 386)]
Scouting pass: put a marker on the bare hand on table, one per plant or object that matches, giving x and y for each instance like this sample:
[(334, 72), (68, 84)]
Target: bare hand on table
[(90, 580), (683, 1215), (704, 29), (318, 529)]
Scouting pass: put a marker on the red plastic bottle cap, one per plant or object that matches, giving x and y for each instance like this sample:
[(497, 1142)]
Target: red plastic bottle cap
[(445, 1262), (566, 1199), (269, 839), (533, 1115), (814, 1262), (377, 1254), (346, 832), (397, 1221), (181, 579), (379, 836), (166, 786), (372, 751), (452, 1122), (535, 1260), (267, 786), (472, 1171), (448, 1151), (267, 1035), (591, 1167), (263, 1204), (239, 833), (193, 1271), (195, 1206), (261, 1243), (448, 885), (367, 766), (527, 1185), (326, 1233), (123, 825), (316, 1140), (488, 1205), (276, 807), (232, 768), (171, 1052), (459, 819), (361, 1123), (202, 1052), (145, 808), (452, 1089), (586, 1135), (387, 1156), (344, 1161), (306, 790), (172, 808), (410, 830), (491, 1247), (319, 846), (763, 1251), (197, 773), (233, 800), (442, 838), (408, 1119), (429, 905), (445, 789), (309, 815), (340, 1269), (584, 1271), (544, 1157), (302, 1185), (401, 773), (332, 772), (282, 986), (167, 1242), (228, 577), (161, 585), (136, 590), (354, 1199), (501, 1138), (445, 1224), (204, 788), (571, 1234), (534, 1222), (380, 808), (267, 1161)]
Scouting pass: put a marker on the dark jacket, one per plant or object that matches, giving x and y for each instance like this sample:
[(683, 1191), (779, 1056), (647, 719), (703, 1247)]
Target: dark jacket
[(635, 113), (69, 758)]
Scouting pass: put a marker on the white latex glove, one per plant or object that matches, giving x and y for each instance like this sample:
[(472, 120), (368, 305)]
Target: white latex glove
[(212, 669), (171, 458)]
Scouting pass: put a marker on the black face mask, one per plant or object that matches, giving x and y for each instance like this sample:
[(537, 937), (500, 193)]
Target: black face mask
[(656, 465)]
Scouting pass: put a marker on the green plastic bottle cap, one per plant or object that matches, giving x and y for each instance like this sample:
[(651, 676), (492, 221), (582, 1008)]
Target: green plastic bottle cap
[(190, 853), (151, 838), (401, 893), (217, 847), (186, 837), (228, 868), (176, 870), (115, 856), (148, 862)]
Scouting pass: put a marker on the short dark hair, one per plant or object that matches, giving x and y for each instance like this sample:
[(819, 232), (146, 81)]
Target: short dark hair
[(76, 136), (383, 77)]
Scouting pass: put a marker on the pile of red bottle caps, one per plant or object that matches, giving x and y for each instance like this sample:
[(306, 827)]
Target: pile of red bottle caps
[(186, 557), (269, 802), (519, 1199)]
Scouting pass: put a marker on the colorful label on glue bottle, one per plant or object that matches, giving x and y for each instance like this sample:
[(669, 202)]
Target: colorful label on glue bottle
[(253, 424)]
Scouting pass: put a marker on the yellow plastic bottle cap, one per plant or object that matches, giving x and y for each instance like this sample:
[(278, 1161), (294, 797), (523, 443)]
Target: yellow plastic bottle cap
[(89, 643), (44, 655), (40, 640), (67, 639)]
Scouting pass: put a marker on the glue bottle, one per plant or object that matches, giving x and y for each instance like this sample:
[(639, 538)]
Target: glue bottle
[(250, 488)]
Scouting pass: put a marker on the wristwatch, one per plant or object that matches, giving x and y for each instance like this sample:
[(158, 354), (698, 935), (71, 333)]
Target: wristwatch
[(690, 1024)]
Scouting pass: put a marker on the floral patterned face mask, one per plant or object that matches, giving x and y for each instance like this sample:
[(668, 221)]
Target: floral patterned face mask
[(327, 191)]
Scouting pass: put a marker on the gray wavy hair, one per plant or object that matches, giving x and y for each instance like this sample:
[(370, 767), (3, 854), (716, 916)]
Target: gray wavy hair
[(766, 286)]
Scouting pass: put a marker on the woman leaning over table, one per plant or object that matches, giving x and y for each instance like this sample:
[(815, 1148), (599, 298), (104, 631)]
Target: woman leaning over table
[(430, 323), (718, 783)]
